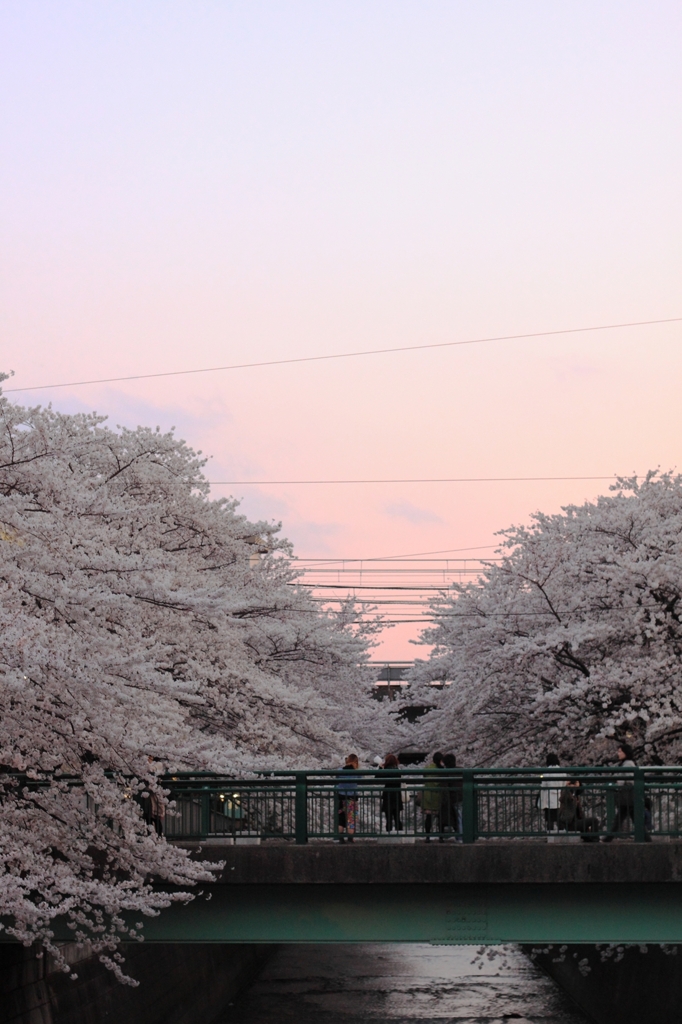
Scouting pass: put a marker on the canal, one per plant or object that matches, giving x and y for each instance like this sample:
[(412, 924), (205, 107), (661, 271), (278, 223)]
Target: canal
[(400, 984)]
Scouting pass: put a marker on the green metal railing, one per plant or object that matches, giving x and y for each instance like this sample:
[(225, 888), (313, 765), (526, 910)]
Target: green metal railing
[(415, 804)]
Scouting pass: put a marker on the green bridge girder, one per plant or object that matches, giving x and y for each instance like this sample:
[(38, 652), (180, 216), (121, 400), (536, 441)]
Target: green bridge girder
[(458, 914), (487, 893)]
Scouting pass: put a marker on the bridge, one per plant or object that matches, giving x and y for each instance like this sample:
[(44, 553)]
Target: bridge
[(495, 877), (485, 894), (280, 874), (462, 804)]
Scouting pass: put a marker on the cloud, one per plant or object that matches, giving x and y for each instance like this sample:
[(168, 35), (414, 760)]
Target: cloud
[(131, 410), (413, 514), (572, 372)]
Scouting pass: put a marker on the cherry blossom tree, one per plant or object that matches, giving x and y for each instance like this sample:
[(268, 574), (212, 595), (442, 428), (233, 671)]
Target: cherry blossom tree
[(144, 629), (571, 639)]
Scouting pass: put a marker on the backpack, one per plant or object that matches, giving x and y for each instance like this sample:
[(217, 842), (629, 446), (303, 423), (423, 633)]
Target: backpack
[(568, 804)]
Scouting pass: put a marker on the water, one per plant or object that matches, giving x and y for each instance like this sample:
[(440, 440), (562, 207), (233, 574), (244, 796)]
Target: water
[(400, 984)]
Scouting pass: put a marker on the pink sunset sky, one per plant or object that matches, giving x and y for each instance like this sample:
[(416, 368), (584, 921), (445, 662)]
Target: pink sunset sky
[(186, 185)]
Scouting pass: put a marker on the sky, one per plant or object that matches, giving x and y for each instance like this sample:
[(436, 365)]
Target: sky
[(187, 185)]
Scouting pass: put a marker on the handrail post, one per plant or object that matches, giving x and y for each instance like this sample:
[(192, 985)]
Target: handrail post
[(301, 808), (638, 799), (205, 812), (468, 808)]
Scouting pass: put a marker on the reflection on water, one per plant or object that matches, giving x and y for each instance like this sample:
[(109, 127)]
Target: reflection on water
[(400, 984)]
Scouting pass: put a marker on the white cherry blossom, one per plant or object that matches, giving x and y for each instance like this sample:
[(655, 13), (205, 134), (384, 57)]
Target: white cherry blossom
[(572, 639), (144, 628)]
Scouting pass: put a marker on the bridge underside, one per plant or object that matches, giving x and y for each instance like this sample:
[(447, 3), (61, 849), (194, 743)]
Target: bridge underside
[(484, 894), (458, 914), (488, 893)]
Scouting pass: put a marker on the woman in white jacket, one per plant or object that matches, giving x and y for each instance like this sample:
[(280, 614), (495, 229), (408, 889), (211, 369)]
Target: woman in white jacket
[(550, 791)]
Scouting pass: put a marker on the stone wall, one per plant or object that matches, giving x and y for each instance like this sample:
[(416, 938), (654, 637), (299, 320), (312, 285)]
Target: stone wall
[(179, 984), (496, 863), (626, 987)]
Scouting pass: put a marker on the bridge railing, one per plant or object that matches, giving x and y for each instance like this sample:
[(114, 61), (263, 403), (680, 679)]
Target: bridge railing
[(416, 804)]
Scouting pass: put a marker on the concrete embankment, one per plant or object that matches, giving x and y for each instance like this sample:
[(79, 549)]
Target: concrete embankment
[(624, 985), (179, 984)]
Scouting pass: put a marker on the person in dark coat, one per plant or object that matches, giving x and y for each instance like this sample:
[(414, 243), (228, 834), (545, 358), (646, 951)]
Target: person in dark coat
[(391, 797), (626, 798), (430, 797), (571, 816), (451, 797)]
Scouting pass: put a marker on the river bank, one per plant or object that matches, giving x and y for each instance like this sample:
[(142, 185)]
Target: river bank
[(337, 984), (179, 984), (627, 984)]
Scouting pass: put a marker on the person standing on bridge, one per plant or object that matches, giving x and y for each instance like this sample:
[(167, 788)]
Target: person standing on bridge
[(391, 798), (572, 817), (430, 798), (626, 798), (451, 798), (550, 793), (347, 796)]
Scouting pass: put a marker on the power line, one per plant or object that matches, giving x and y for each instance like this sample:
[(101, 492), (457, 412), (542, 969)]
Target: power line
[(379, 564), (410, 565), (375, 586), (349, 355), (410, 569), (441, 616), (389, 558), (416, 480), (379, 602)]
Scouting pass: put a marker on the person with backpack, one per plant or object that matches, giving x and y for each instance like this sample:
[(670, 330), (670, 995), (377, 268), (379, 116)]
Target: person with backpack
[(570, 814)]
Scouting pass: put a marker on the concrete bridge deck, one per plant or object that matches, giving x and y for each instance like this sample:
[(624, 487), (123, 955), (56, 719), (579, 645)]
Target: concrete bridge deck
[(491, 893), (492, 863)]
